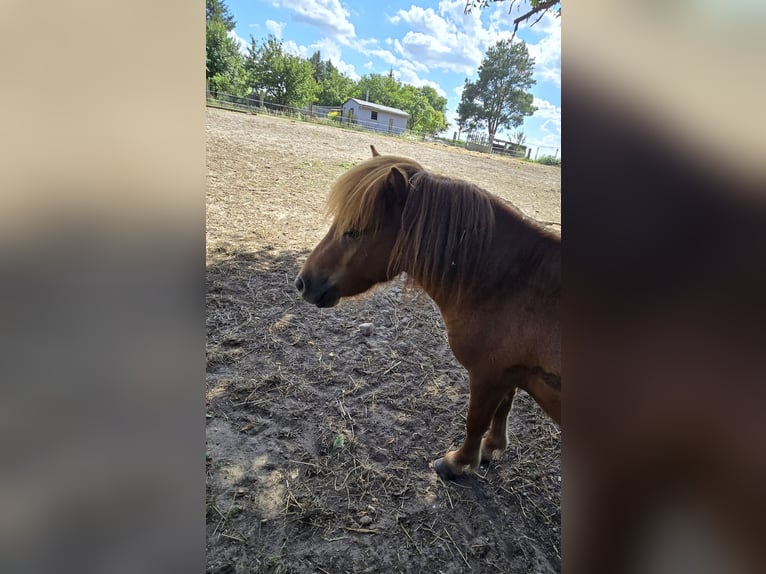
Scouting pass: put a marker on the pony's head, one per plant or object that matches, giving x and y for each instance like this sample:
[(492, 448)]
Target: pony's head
[(366, 204)]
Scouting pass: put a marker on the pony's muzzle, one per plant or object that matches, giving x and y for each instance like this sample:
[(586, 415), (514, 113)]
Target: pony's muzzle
[(321, 293)]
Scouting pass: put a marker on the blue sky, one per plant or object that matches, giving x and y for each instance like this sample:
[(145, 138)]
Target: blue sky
[(425, 42)]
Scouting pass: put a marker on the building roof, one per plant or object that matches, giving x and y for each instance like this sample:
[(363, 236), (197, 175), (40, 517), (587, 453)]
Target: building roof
[(378, 107)]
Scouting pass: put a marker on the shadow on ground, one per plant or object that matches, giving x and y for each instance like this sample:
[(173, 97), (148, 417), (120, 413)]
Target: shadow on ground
[(320, 439)]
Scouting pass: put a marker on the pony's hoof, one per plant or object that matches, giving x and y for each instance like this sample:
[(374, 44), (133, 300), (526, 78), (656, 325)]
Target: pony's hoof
[(443, 470), (489, 456)]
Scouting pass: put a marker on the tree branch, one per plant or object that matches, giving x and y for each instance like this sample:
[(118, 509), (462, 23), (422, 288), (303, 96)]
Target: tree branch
[(540, 17), (541, 7)]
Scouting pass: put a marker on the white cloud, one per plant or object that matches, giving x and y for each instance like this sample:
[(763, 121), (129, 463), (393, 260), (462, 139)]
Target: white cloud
[(547, 139), (547, 52), (447, 40), (326, 15), (406, 70), (384, 55), (275, 28), (553, 127), (549, 133), (347, 70), (470, 24), (408, 75), (366, 42), (546, 109), (294, 49), (241, 43), (330, 50), (424, 20)]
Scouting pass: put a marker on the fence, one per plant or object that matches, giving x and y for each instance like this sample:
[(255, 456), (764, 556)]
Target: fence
[(256, 104), (480, 142), (330, 115), (545, 151), (374, 126)]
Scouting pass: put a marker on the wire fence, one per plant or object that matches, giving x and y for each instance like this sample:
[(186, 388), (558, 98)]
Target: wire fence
[(479, 141), (255, 104), (329, 115), (333, 116), (542, 151)]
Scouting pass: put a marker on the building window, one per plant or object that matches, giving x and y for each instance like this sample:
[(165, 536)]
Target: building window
[(374, 116)]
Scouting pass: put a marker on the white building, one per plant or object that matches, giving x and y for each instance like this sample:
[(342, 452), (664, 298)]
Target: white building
[(374, 116)]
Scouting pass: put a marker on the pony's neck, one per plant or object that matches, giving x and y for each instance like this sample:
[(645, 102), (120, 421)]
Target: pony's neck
[(463, 246), (447, 226), (517, 255)]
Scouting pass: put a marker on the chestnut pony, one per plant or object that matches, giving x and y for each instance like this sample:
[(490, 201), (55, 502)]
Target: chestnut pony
[(495, 275)]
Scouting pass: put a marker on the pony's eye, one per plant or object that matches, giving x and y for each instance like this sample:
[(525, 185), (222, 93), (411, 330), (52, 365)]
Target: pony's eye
[(352, 233)]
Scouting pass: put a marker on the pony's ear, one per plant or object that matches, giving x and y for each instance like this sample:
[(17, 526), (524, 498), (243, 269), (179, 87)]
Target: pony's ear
[(374, 151), (396, 186)]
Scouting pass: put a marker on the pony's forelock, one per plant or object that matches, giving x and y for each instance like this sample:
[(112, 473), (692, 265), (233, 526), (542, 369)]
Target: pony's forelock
[(355, 202)]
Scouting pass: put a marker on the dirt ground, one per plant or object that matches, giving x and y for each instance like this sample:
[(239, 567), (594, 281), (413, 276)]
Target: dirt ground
[(320, 439)]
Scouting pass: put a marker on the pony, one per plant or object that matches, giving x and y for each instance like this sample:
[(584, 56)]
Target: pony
[(494, 274)]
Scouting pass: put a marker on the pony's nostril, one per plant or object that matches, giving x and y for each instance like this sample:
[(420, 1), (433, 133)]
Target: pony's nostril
[(299, 284)]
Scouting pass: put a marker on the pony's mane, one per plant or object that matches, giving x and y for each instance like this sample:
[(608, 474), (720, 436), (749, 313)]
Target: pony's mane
[(447, 228), (355, 200)]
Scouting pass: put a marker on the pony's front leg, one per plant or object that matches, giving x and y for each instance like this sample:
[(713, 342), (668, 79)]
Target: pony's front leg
[(486, 394)]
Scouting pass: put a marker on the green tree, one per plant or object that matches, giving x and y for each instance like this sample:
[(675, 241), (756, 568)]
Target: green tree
[(436, 117), (216, 10), (335, 89), (436, 101), (323, 69), (426, 108), (223, 63), (383, 90), (499, 97), (223, 66), (286, 80)]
